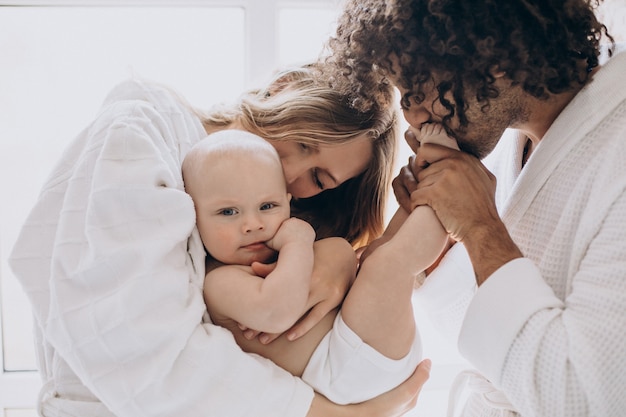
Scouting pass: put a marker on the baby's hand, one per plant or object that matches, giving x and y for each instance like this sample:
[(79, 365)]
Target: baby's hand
[(292, 230), (435, 133)]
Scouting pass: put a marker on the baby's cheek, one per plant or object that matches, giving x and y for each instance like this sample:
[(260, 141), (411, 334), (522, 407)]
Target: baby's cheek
[(217, 239)]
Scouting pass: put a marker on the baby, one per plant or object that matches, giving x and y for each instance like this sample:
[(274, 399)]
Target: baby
[(243, 215)]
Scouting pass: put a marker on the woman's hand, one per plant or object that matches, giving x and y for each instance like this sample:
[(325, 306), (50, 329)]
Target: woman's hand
[(334, 269), (393, 403)]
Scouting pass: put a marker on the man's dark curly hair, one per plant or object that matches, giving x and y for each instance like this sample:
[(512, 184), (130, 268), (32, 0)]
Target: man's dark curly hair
[(544, 46)]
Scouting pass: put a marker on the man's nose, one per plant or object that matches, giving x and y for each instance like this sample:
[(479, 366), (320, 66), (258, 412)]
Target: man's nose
[(416, 116)]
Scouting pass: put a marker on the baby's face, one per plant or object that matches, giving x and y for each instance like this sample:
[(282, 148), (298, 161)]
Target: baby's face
[(240, 205)]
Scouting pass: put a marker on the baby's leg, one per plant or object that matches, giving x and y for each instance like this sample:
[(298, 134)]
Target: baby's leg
[(378, 307), (346, 371)]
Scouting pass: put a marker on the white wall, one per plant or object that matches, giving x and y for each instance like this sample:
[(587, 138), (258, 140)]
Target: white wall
[(613, 14)]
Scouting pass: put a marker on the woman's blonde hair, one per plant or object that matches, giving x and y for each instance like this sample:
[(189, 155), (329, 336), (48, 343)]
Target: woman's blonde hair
[(299, 105)]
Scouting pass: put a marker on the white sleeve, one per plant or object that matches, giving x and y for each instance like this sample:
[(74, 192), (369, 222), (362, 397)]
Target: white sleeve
[(553, 357), (122, 302), (507, 299)]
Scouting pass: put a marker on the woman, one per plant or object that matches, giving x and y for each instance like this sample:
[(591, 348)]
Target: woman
[(299, 110), (113, 265)]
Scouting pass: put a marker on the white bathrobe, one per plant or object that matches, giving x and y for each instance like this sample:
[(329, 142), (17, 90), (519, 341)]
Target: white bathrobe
[(113, 266), (549, 329)]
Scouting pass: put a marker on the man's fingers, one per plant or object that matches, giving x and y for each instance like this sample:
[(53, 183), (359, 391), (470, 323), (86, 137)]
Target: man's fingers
[(403, 185), (429, 153), (411, 139)]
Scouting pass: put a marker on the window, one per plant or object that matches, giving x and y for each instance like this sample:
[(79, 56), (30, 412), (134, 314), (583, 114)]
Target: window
[(60, 58)]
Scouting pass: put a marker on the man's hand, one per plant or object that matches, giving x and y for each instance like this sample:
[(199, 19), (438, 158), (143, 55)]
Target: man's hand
[(405, 183), (461, 191), (457, 186)]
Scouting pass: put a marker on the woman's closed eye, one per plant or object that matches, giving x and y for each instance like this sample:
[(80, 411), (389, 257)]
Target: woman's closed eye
[(316, 179), (308, 149)]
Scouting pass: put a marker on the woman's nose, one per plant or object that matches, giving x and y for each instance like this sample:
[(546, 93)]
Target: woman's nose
[(292, 172), (302, 188), (299, 183)]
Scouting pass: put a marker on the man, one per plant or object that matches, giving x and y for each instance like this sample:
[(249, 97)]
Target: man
[(521, 83)]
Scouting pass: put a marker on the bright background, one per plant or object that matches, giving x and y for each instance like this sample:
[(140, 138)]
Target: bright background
[(58, 60)]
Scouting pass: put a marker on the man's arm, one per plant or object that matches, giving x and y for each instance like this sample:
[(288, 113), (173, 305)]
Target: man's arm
[(554, 356)]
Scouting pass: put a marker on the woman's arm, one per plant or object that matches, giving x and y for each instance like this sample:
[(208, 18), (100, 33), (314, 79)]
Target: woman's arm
[(115, 281), (333, 273)]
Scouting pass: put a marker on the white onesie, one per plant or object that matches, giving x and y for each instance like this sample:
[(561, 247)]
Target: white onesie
[(346, 370)]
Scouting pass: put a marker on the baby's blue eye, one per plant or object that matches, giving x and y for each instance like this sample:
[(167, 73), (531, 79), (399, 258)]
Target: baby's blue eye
[(267, 206), (228, 212)]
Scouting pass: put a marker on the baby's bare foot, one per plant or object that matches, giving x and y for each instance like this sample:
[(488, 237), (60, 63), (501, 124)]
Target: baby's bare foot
[(435, 133)]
